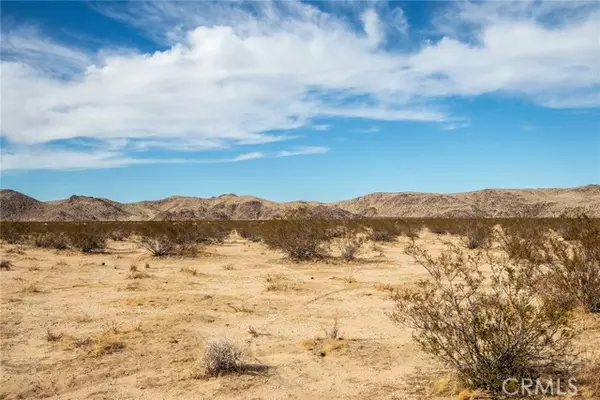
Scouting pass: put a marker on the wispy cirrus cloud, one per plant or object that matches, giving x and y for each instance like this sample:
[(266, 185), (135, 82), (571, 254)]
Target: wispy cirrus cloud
[(452, 126), (373, 129), (244, 74), (303, 151), (321, 127), (61, 159)]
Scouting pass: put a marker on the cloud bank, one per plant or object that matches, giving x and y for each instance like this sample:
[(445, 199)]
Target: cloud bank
[(229, 75)]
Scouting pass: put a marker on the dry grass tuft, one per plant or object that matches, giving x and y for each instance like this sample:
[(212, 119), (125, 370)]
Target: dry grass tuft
[(189, 271), (252, 331), (446, 386), (112, 327), (280, 283), (241, 308), (221, 357), (333, 332), (32, 288), (105, 345), (16, 250), (53, 337), (139, 275), (83, 342), (350, 274), (324, 346), (275, 282), (387, 287)]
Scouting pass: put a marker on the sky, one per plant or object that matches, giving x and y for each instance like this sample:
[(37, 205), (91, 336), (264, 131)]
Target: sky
[(297, 100)]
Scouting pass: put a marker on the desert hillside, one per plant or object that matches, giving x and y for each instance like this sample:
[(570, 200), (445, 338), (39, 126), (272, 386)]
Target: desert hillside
[(16, 206)]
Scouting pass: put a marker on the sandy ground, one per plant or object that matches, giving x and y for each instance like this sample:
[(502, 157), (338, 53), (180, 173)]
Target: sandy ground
[(128, 338)]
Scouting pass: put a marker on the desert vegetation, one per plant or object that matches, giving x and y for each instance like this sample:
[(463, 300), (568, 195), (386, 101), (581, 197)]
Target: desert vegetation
[(487, 334), (204, 304)]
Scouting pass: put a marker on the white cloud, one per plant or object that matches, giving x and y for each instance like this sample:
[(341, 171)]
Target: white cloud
[(372, 27), (399, 20), (25, 45), (60, 159), (66, 159), (303, 151), (232, 76), (373, 129), (245, 157), (455, 125), (322, 127)]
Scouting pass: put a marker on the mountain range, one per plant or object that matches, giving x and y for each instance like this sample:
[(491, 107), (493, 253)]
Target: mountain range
[(15, 206)]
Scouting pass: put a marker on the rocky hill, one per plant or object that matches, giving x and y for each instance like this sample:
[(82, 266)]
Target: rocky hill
[(16, 206)]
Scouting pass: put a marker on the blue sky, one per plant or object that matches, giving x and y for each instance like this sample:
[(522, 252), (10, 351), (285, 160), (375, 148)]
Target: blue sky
[(297, 100)]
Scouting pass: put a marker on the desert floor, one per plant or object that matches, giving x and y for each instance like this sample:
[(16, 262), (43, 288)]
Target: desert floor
[(118, 334)]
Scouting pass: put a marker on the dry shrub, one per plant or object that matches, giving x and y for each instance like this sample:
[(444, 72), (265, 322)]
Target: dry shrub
[(13, 232), (520, 249), (478, 235), (299, 239), (591, 379), (387, 230), (180, 238), (570, 227), (221, 358), (158, 246), (5, 264), (58, 241), (211, 232), (574, 267), (117, 235), (486, 333), (249, 234), (524, 240), (88, 239), (383, 235), (349, 245), (186, 250), (438, 230), (163, 245), (566, 272)]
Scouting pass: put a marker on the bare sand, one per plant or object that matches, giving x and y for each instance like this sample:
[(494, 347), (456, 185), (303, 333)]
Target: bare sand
[(117, 337)]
